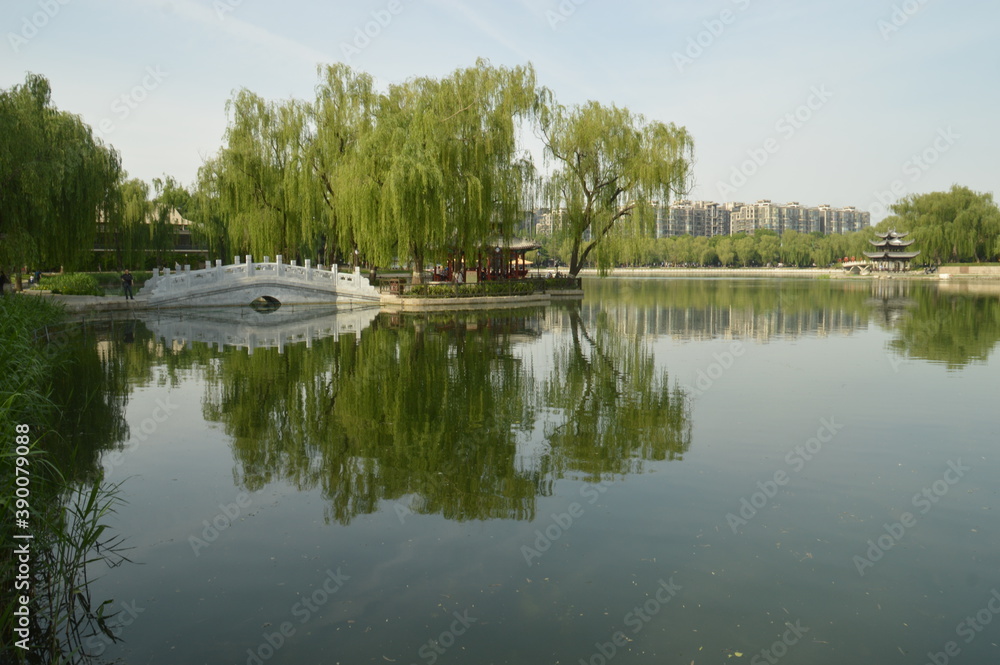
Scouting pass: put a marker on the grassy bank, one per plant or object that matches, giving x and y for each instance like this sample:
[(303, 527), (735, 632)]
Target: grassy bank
[(89, 283), (56, 521)]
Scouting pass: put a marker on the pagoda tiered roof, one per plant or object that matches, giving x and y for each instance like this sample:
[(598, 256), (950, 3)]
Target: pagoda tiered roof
[(888, 254), (891, 246)]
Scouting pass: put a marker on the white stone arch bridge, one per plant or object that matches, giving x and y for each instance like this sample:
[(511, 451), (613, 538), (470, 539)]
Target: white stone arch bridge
[(241, 283)]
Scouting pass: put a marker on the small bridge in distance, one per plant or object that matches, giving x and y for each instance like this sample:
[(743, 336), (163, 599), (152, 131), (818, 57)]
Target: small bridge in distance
[(246, 282)]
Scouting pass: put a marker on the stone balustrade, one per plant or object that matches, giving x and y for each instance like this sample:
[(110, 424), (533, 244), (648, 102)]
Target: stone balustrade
[(242, 282)]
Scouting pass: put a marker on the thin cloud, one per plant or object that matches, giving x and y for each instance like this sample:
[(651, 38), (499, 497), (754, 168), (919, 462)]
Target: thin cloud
[(224, 17)]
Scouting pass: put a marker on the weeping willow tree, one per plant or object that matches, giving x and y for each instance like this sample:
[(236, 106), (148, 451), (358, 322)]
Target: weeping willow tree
[(342, 118), (612, 165), (207, 214), (957, 225), (260, 174), (442, 169), (125, 229), (169, 206), (55, 179)]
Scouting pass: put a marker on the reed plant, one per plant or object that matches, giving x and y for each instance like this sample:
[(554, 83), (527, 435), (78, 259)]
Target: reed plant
[(67, 519)]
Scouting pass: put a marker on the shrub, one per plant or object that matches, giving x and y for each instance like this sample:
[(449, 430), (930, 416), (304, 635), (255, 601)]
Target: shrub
[(74, 284)]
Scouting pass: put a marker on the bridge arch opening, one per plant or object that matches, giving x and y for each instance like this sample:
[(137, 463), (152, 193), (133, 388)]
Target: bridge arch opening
[(265, 304)]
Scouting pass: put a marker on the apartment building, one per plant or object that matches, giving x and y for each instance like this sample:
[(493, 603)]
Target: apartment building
[(765, 214), (696, 218)]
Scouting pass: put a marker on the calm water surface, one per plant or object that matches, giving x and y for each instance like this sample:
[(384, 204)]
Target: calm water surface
[(672, 471)]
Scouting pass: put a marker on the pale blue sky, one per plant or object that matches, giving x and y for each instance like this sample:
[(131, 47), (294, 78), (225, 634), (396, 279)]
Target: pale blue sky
[(886, 79)]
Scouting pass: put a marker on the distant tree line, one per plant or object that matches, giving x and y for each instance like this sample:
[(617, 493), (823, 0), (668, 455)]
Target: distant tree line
[(956, 226)]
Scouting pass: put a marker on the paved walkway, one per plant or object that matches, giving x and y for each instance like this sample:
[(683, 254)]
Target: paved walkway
[(92, 303)]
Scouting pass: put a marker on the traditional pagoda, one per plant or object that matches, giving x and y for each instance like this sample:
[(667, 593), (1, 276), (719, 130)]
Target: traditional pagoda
[(891, 255)]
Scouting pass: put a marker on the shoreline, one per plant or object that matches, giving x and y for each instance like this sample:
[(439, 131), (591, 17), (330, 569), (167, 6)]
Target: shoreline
[(945, 275), (826, 273)]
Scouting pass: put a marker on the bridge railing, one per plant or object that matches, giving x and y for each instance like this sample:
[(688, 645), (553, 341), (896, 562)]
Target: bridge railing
[(183, 279)]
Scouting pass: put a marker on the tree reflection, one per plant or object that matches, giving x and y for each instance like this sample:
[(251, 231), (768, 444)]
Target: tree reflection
[(430, 411), (947, 326), (747, 308), (90, 392), (617, 408)]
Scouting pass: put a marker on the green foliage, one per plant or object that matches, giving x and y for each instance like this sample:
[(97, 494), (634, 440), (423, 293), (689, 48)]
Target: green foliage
[(612, 165), (957, 225), (440, 169), (260, 175), (24, 371), (74, 284), (445, 429), (56, 178), (954, 329), (504, 288), (125, 230), (761, 249), (208, 216), (68, 513)]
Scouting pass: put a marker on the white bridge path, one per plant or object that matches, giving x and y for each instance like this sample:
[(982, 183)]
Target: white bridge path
[(243, 283)]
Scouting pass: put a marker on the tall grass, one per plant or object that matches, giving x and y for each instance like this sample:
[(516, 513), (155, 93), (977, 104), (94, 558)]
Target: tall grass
[(67, 519)]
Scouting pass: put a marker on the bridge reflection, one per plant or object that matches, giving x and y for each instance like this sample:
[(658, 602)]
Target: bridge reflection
[(250, 329)]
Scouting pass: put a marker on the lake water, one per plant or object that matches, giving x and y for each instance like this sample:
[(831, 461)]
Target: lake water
[(672, 471)]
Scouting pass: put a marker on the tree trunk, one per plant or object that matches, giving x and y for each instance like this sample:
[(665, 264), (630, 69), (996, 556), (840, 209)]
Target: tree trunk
[(418, 267), (574, 266)]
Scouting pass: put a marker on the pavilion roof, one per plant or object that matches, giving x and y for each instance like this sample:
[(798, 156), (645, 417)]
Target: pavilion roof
[(893, 234), (515, 244), (891, 255), (892, 242)]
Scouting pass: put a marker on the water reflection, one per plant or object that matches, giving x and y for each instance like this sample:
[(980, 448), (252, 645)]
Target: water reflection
[(435, 412), (478, 417), (955, 324), (699, 309), (475, 415)]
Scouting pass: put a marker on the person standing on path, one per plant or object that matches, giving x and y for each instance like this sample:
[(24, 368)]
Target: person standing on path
[(127, 280)]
